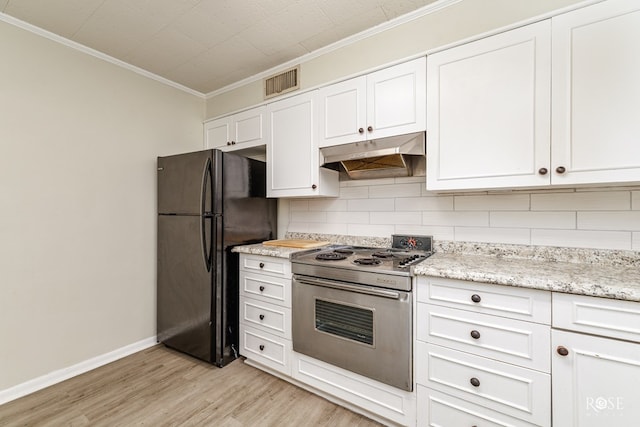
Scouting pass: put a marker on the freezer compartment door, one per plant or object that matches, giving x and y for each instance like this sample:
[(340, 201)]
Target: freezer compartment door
[(185, 183), (185, 285)]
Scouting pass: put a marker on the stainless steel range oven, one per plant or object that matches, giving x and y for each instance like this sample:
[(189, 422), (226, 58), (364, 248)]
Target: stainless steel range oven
[(352, 307)]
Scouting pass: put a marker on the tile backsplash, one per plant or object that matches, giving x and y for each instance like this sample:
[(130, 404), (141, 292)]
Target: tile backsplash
[(600, 218)]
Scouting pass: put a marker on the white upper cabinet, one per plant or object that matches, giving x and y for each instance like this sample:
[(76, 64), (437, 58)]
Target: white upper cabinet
[(343, 113), (384, 103), (596, 94), (293, 168), (552, 103), (488, 112), (242, 130)]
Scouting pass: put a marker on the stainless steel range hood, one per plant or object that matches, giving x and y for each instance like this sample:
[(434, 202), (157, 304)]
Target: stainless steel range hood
[(394, 156)]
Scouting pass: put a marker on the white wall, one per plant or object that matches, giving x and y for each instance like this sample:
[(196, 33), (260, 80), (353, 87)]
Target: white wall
[(78, 142), (603, 218), (461, 20)]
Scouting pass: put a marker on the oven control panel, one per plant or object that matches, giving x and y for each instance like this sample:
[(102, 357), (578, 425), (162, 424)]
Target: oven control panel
[(412, 243)]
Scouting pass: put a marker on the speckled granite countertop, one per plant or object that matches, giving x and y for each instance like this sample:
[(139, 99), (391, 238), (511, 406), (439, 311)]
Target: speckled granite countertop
[(584, 279), (593, 272), (282, 252), (600, 273)]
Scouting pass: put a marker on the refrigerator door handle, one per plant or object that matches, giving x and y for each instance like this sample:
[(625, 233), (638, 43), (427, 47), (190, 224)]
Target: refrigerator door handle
[(207, 178), (205, 215), (206, 249)]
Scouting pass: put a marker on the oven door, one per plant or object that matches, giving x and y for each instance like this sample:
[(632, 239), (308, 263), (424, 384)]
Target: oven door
[(363, 329)]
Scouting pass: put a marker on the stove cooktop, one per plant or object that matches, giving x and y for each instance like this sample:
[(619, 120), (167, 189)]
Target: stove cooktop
[(407, 251)]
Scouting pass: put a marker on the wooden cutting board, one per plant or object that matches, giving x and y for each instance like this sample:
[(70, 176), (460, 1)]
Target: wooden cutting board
[(296, 243)]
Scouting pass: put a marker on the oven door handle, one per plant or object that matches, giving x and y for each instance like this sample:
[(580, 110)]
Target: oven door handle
[(347, 287)]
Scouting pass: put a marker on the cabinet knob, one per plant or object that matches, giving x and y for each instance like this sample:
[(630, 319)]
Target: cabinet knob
[(233, 143), (475, 334), (543, 171), (360, 130), (370, 128), (561, 169), (562, 350), (261, 347), (475, 382), (313, 187), (261, 265), (228, 142), (261, 317), (261, 288), (475, 298)]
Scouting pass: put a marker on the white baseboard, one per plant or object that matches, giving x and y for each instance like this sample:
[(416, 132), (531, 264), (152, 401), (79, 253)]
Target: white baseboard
[(60, 375)]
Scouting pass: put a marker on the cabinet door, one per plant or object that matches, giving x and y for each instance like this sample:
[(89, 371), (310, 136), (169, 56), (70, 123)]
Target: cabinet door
[(488, 112), (342, 112), (396, 100), (248, 127), (596, 383), (217, 133), (596, 94), (292, 151)]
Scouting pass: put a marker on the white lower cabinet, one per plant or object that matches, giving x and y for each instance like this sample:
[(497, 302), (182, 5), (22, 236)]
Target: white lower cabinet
[(482, 354), (512, 390), (513, 341), (595, 378), (379, 399), (266, 349), (442, 410), (265, 312)]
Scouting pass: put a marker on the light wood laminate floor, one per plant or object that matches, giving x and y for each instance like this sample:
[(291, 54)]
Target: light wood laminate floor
[(161, 387)]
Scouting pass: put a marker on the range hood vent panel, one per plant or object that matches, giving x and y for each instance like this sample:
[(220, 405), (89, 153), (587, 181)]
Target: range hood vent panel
[(379, 158)]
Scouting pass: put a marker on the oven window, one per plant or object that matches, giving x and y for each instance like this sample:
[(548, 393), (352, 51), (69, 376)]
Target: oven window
[(346, 321)]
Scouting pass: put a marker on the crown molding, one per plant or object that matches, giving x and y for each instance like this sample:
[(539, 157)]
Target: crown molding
[(89, 51), (418, 13)]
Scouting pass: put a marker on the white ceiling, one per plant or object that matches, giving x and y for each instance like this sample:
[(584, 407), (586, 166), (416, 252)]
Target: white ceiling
[(206, 45)]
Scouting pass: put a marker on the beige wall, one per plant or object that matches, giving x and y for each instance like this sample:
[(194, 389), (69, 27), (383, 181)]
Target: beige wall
[(78, 142), (449, 25)]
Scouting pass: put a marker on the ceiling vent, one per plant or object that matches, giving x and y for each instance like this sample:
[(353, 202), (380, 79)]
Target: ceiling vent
[(283, 82)]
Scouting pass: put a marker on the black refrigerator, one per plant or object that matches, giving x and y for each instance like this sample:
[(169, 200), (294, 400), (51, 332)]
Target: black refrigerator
[(208, 202)]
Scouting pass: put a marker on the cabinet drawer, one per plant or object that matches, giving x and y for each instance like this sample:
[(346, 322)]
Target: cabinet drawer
[(598, 316), (267, 349), (512, 390), (270, 289), (271, 318), (278, 267), (381, 399), (517, 303), (439, 409), (513, 341)]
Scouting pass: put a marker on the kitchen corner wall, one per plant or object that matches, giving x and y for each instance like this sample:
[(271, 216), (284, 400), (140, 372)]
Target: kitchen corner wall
[(78, 143), (602, 218)]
